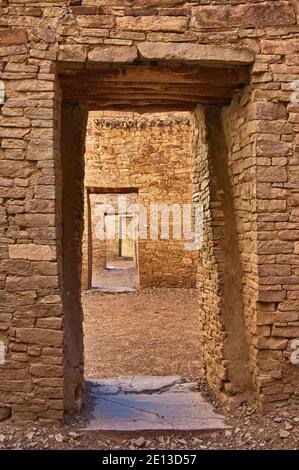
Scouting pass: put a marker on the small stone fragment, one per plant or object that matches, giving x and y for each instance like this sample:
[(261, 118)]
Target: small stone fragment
[(140, 442)]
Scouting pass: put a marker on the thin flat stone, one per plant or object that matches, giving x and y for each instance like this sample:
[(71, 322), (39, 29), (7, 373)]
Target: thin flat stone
[(164, 412), (142, 384), (196, 53)]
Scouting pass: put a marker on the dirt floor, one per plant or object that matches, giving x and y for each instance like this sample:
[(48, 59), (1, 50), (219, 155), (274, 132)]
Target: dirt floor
[(151, 331), (249, 430), (115, 278)]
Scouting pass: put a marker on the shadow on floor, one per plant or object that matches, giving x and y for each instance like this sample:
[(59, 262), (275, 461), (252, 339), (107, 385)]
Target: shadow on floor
[(148, 403)]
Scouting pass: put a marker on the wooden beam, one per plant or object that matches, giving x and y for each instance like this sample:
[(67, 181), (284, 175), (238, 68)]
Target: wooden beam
[(204, 90), (147, 96), (125, 103), (143, 109), (181, 74)]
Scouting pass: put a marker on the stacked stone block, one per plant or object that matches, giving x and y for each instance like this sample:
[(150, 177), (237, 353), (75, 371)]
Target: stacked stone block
[(37, 41)]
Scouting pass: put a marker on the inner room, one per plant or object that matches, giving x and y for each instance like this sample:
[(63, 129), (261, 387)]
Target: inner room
[(139, 258)]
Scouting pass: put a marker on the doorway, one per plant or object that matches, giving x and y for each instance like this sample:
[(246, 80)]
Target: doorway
[(113, 264), (218, 370)]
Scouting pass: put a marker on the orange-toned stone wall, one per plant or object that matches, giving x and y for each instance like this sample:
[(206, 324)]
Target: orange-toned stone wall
[(152, 155), (39, 280)]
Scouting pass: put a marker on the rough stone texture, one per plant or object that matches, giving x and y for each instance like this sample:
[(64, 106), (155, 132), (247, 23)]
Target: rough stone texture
[(152, 156), (194, 53), (261, 161), (113, 54), (149, 403)]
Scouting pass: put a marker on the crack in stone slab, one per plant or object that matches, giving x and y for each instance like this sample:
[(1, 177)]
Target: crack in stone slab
[(118, 385), (132, 399)]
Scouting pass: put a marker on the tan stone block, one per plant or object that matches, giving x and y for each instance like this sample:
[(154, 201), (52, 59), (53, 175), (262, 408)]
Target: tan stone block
[(95, 21), (286, 331), (274, 247), (40, 336), (45, 268), (14, 36), (271, 205), (272, 148), (274, 270), (45, 191), (40, 206), (152, 23), (14, 169), (272, 174), (49, 323), (32, 252), (280, 46), (113, 54), (155, 3), (271, 343), (267, 13), (18, 267), (269, 111), (195, 53), (273, 389), (16, 283), (72, 53), (49, 382), (7, 51), (42, 370), (269, 318)]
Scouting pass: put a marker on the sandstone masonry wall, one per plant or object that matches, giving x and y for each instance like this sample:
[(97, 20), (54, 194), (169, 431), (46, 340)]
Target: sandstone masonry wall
[(152, 155), (38, 40)]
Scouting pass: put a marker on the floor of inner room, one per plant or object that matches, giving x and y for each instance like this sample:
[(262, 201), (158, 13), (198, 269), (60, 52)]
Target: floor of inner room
[(142, 362), (152, 331), (115, 278)]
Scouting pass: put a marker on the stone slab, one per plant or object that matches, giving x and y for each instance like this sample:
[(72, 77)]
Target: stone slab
[(141, 384), (112, 408), (195, 53)]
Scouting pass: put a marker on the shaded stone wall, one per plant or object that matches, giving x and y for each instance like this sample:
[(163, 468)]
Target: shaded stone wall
[(37, 40), (220, 274), (152, 154)]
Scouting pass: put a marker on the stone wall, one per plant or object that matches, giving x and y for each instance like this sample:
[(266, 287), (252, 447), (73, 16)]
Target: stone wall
[(237, 43), (151, 155)]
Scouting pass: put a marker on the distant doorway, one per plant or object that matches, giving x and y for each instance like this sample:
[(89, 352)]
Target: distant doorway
[(114, 251)]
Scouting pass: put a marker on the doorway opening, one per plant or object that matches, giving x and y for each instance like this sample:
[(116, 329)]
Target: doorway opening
[(145, 339), (138, 185), (165, 266), (113, 264)]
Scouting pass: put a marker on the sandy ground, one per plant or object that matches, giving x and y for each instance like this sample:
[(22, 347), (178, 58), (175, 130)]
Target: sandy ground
[(115, 278), (249, 430), (151, 331)]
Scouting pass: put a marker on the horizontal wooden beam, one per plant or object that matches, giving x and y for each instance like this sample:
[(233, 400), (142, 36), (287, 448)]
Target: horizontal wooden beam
[(143, 109), (145, 96), (165, 85), (233, 76), (204, 90), (124, 103)]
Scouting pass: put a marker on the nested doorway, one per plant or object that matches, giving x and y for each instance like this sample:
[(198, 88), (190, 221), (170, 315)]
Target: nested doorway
[(212, 160), (112, 241)]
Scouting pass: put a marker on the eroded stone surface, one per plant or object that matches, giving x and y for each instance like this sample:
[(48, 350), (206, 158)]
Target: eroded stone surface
[(141, 384), (194, 53), (149, 403), (249, 231)]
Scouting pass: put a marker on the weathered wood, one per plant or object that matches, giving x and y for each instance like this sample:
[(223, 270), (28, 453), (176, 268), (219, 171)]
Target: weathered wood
[(188, 74), (125, 104), (143, 109)]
